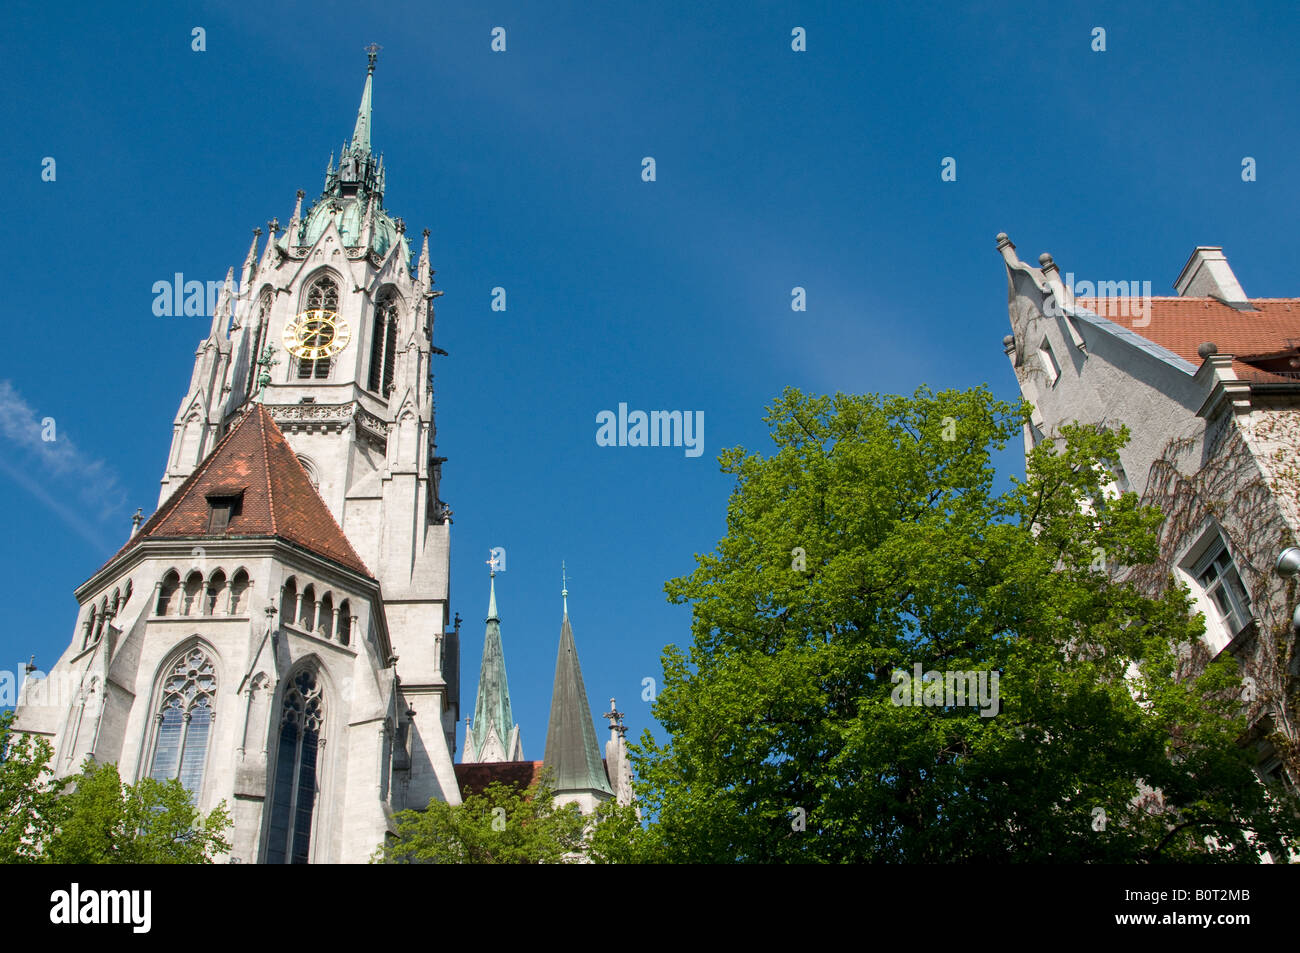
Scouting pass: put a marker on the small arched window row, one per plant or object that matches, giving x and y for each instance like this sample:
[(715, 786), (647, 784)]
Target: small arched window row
[(217, 595), (314, 610), (103, 612)]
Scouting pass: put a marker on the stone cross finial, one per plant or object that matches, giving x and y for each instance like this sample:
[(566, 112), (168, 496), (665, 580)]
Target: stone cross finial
[(137, 519), (274, 226), (372, 54)]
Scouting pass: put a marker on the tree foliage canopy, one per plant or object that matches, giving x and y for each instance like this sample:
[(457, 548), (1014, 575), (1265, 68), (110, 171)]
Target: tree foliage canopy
[(500, 825), (93, 818), (873, 539)]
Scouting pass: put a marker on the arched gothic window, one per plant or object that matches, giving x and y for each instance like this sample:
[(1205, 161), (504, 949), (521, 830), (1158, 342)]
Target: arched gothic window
[(90, 628), (190, 605), (239, 593), (307, 618), (345, 622), (326, 622), (216, 586), (323, 295), (103, 617), (185, 720), (168, 594), (289, 603), (383, 344), (294, 799)]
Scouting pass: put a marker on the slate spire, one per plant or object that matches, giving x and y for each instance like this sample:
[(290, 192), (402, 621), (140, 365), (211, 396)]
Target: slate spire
[(571, 750)]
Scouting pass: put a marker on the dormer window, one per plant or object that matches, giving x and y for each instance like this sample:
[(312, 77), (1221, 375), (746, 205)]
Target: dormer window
[(222, 505)]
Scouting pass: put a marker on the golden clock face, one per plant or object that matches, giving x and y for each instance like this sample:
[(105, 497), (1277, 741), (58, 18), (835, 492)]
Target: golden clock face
[(313, 335)]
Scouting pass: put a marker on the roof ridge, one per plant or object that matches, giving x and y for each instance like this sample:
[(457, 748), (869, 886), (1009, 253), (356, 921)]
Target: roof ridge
[(169, 505), (266, 461), (351, 551)]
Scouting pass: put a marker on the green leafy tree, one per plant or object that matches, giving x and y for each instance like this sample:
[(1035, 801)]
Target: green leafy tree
[(620, 837), (501, 825), (29, 794), (872, 539), (93, 818), (103, 821)]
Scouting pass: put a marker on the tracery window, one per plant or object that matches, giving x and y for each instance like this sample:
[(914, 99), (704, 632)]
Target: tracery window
[(322, 295), (184, 721), (294, 799)]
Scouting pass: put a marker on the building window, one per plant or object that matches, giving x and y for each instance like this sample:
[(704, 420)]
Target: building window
[(383, 344), (289, 603), (1219, 580), (238, 593), (193, 591), (169, 594), (293, 802), (185, 721), (216, 587), (221, 508), (323, 295), (1047, 358)]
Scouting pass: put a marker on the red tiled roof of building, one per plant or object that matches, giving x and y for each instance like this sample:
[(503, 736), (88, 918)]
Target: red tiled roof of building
[(1182, 325), (277, 499), (474, 778)]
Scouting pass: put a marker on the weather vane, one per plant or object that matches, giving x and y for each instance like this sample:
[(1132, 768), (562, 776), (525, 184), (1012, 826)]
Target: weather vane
[(372, 52)]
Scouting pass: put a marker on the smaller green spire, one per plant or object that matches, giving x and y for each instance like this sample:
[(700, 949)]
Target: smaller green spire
[(361, 133)]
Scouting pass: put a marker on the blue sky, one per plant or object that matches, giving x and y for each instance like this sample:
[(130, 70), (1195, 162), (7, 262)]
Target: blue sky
[(775, 169)]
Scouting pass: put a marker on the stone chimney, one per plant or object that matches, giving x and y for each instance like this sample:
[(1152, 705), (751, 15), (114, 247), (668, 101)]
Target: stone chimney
[(1208, 274)]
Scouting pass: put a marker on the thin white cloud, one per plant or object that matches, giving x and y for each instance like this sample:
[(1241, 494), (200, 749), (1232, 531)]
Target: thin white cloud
[(50, 469)]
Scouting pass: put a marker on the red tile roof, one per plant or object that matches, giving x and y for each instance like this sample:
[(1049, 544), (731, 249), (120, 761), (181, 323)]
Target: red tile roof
[(278, 499), (474, 778), (1182, 325)]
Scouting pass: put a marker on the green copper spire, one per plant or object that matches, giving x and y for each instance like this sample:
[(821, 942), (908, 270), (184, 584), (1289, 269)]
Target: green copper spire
[(571, 749), (361, 133), (492, 714)]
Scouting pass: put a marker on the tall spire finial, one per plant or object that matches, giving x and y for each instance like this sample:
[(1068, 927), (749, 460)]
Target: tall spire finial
[(361, 132), (564, 586), (492, 598)]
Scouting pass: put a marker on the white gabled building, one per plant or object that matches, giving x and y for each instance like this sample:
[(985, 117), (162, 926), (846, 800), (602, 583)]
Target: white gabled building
[(1208, 383)]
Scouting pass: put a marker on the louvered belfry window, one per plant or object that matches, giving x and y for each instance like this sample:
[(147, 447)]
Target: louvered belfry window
[(383, 345), (323, 295)]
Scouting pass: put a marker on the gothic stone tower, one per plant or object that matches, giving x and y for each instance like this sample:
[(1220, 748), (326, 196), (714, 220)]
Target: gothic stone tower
[(275, 635)]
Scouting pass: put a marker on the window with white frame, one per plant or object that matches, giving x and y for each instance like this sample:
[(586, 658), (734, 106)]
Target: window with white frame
[(1219, 580)]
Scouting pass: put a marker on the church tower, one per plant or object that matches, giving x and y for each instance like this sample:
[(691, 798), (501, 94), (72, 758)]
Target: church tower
[(572, 753), (276, 635), (493, 736)]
